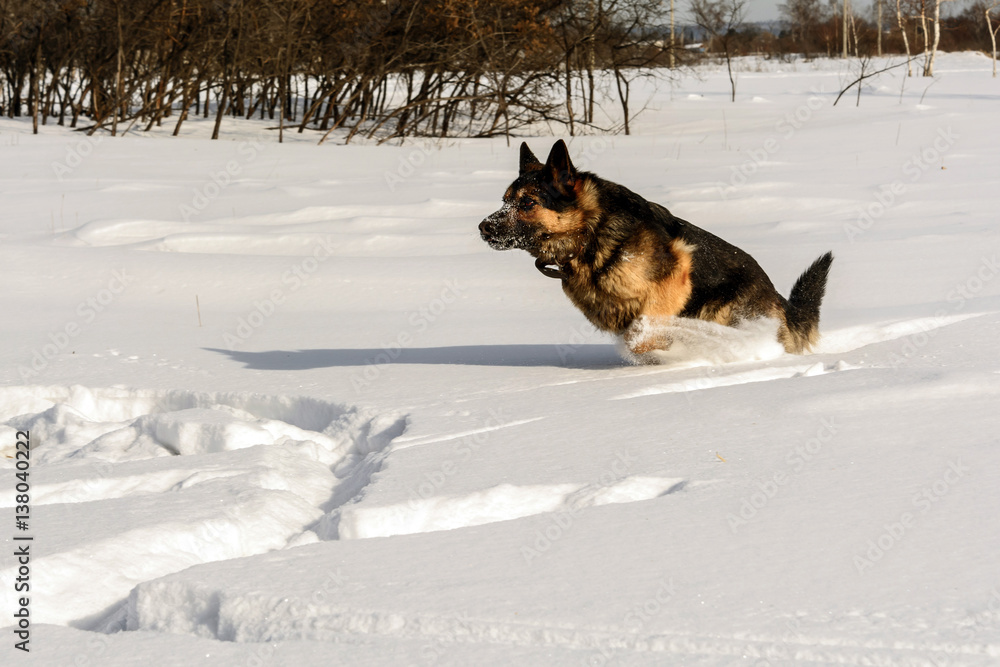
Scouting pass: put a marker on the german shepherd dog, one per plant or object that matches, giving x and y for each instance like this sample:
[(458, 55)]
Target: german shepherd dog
[(626, 262)]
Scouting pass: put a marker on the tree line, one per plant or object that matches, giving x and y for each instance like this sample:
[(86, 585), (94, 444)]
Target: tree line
[(379, 69), (389, 69), (915, 28)]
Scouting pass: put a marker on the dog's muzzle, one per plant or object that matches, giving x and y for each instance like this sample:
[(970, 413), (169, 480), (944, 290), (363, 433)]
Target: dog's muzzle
[(496, 231)]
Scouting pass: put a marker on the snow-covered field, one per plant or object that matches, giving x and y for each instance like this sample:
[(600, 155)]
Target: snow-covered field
[(286, 408)]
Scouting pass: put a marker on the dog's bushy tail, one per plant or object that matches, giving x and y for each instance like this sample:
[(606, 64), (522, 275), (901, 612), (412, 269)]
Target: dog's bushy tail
[(802, 313)]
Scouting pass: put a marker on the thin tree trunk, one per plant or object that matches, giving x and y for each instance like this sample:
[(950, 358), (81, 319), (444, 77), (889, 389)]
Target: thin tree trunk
[(282, 91), (854, 33), (591, 61), (118, 71), (878, 27), (927, 39), (673, 40), (993, 37), (929, 69), (36, 85), (223, 103), (569, 95), (906, 40), (729, 68), (623, 95), (185, 105), (844, 27)]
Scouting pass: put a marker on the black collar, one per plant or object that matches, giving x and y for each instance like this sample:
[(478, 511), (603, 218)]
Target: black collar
[(550, 269)]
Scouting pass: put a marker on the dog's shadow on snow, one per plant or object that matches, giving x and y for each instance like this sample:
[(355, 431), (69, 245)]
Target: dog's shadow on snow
[(565, 356)]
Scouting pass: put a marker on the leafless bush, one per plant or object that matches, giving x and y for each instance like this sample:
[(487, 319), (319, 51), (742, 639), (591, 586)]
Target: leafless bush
[(378, 69)]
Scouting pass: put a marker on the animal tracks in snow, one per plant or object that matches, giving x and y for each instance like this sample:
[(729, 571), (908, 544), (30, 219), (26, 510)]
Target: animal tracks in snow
[(256, 607), (173, 479), (503, 502), (712, 381)]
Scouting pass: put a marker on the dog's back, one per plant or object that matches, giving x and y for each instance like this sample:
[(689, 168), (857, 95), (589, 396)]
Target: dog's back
[(729, 286)]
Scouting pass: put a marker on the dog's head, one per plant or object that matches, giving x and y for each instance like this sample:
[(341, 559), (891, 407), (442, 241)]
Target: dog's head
[(545, 210)]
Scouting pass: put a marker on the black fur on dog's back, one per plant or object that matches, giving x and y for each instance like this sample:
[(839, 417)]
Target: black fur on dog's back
[(622, 258)]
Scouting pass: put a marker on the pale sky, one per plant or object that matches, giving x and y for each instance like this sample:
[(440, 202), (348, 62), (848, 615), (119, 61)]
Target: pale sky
[(763, 10), (758, 10), (767, 10)]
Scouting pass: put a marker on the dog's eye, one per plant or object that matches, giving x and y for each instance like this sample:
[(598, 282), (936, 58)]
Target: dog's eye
[(527, 203)]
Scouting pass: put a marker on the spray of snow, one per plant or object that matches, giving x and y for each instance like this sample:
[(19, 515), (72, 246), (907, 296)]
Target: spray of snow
[(700, 343)]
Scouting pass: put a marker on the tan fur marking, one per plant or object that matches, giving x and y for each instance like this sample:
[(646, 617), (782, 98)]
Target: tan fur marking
[(559, 223), (668, 297), (573, 219), (586, 195), (796, 343), (723, 315), (629, 278)]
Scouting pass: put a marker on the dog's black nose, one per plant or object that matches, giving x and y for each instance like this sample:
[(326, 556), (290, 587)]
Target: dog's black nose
[(486, 230)]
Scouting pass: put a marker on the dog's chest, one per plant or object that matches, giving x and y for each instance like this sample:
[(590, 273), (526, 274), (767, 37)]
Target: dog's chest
[(611, 298)]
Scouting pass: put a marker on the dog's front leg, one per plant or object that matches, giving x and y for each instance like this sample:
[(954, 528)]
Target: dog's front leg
[(643, 337)]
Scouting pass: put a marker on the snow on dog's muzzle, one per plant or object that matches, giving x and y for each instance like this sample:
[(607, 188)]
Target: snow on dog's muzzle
[(498, 231)]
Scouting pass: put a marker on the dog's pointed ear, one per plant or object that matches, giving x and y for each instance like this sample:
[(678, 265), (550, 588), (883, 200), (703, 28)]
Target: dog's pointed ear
[(560, 168), (528, 159)]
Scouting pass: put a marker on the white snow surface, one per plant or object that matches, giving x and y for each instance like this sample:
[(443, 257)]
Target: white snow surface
[(287, 408)]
